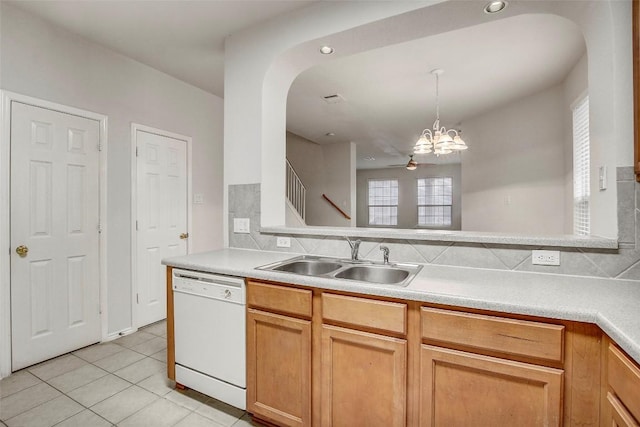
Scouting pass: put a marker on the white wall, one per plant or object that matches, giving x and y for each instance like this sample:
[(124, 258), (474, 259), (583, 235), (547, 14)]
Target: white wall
[(46, 62), (513, 175), (258, 75), (610, 103), (407, 192), (261, 63), (324, 169)]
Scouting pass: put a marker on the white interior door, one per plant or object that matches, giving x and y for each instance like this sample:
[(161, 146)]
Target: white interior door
[(55, 287), (161, 218)]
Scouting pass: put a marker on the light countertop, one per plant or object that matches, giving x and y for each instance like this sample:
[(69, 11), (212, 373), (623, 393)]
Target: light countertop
[(613, 305)]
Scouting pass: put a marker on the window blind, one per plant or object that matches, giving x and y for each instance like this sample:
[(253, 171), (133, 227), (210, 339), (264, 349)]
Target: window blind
[(435, 197), (383, 202), (581, 187)]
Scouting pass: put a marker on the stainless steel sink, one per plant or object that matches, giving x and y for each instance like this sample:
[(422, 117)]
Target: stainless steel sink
[(374, 274), (309, 267), (396, 274)]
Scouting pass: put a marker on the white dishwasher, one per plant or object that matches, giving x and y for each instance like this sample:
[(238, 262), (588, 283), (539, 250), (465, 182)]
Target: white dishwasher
[(209, 322)]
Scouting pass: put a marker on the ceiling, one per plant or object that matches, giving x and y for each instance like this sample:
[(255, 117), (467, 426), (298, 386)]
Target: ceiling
[(182, 38), (389, 94)]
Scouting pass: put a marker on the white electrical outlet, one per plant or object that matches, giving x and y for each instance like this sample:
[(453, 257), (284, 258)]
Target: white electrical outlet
[(545, 257), (198, 198), (241, 225), (283, 242)]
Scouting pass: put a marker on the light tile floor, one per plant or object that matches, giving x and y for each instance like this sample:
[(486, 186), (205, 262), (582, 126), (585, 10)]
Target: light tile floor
[(121, 383)]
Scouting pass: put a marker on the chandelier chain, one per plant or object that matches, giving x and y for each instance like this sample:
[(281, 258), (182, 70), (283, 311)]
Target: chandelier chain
[(437, 101)]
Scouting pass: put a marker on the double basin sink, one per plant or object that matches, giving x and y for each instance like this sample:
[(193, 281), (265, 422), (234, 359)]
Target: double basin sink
[(398, 274)]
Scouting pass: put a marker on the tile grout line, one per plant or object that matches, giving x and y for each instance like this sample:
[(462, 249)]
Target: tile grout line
[(28, 388), (87, 363), (157, 396)]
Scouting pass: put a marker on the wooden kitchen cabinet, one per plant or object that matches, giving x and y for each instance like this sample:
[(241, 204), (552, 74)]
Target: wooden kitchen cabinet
[(278, 355), (363, 379), (327, 358), (363, 362), (464, 389), (475, 369), (618, 416), (622, 404)]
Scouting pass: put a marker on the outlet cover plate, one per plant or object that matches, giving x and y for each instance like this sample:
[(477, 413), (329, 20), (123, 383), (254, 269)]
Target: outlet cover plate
[(545, 257), (283, 242), (241, 225)]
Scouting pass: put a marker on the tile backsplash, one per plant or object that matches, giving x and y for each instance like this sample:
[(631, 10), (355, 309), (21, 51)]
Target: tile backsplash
[(622, 263)]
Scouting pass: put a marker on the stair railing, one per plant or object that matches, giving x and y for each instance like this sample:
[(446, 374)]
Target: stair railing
[(344, 214), (296, 191)]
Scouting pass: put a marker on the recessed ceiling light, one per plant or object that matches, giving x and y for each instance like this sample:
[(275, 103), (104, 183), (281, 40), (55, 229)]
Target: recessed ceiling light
[(326, 50), (495, 6), (329, 134)]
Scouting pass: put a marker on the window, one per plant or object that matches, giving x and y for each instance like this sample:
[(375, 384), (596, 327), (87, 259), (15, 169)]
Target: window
[(581, 191), (434, 201), (383, 202)]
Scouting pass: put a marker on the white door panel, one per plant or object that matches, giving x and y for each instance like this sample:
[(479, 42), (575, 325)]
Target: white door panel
[(162, 217), (54, 213)]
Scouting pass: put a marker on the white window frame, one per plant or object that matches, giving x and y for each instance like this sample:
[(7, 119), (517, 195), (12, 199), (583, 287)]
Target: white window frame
[(390, 205), (426, 180), (581, 166)]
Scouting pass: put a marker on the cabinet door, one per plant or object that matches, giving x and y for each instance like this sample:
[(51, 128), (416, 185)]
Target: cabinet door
[(618, 414), (279, 368), (363, 379), (464, 389)]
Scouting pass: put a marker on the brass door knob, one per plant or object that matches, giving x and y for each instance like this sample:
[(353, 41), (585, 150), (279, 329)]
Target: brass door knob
[(22, 251), (184, 236)]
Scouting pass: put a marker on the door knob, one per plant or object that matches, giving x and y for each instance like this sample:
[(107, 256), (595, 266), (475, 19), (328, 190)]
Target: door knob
[(184, 236), (22, 250)]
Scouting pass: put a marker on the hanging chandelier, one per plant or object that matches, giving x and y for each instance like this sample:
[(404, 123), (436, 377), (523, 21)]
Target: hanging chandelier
[(439, 140)]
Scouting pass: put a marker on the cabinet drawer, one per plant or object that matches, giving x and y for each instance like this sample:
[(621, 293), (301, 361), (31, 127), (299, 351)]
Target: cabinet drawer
[(282, 299), (496, 334), (364, 312), (624, 379)]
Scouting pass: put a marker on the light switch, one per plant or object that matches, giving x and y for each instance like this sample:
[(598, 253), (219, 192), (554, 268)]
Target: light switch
[(602, 178), (241, 225)]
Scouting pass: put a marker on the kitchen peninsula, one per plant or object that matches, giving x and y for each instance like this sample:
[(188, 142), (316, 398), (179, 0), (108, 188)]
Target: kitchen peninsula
[(580, 334)]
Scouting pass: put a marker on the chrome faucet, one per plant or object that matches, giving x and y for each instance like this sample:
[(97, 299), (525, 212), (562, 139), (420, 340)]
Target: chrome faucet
[(355, 245), (385, 254)]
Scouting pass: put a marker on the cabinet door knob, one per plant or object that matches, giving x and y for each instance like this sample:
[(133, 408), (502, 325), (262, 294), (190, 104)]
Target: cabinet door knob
[(22, 250), (184, 236)]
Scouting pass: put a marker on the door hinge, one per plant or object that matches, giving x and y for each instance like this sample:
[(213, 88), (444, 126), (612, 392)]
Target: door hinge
[(136, 151), (136, 225), (99, 228), (137, 299), (99, 147)]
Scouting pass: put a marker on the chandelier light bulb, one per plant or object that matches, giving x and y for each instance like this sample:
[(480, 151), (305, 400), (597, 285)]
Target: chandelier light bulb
[(458, 144)]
